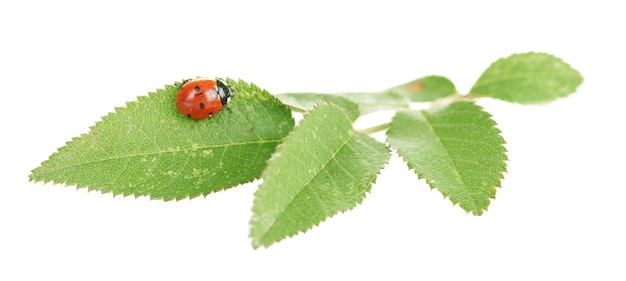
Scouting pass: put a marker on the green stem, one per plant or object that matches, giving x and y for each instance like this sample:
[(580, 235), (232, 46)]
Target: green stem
[(472, 97), (450, 99), (375, 129), (437, 103)]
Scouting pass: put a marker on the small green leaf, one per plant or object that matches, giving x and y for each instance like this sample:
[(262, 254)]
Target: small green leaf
[(456, 149), (367, 102), (528, 78), (425, 89), (323, 167), (149, 149)]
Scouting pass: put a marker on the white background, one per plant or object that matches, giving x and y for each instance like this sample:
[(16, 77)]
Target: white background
[(559, 215)]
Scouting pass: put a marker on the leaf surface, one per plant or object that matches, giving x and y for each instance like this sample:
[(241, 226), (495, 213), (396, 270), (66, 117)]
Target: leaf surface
[(528, 78), (426, 89), (456, 149), (323, 167), (149, 149)]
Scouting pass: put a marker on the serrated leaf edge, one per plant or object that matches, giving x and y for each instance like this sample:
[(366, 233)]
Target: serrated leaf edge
[(433, 185)]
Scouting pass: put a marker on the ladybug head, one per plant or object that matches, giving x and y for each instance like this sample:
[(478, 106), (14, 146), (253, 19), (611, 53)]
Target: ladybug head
[(224, 91)]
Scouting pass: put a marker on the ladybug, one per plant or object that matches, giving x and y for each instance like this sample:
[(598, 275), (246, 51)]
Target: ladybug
[(202, 98)]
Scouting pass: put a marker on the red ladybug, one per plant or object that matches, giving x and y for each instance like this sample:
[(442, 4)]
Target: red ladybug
[(202, 98)]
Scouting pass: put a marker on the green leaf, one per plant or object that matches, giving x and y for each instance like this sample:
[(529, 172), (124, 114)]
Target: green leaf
[(374, 101), (456, 149), (149, 149), (528, 78), (426, 89), (323, 167), (307, 101), (367, 102)]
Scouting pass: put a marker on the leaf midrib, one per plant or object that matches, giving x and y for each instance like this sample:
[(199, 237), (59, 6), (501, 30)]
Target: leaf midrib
[(159, 153), (456, 168), (282, 211), (518, 77), (352, 133)]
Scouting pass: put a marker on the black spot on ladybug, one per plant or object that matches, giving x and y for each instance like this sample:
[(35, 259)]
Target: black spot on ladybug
[(202, 105), (189, 115), (197, 88)]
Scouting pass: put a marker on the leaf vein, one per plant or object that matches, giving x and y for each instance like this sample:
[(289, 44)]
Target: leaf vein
[(159, 153), (450, 158)]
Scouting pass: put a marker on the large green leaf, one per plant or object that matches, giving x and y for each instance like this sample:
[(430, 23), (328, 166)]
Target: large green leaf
[(528, 78), (149, 149), (456, 149), (323, 167)]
